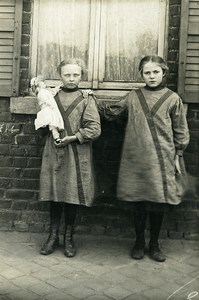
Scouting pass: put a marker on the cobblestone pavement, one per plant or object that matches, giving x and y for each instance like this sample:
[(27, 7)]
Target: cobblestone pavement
[(101, 270)]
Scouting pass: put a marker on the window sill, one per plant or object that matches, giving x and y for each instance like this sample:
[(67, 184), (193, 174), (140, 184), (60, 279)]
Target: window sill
[(28, 104), (24, 105)]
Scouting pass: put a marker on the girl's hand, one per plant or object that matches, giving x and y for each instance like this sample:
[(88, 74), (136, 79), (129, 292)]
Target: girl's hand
[(177, 164), (65, 141), (85, 93)]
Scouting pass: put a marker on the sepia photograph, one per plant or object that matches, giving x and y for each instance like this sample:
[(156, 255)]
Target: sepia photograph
[(99, 150)]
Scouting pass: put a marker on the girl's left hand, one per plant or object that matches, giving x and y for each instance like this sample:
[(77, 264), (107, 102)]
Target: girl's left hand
[(177, 164)]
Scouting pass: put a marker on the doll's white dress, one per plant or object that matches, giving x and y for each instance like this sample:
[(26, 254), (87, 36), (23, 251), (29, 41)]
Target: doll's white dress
[(49, 115)]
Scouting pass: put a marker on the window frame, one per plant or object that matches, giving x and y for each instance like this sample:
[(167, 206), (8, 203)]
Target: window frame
[(96, 63)]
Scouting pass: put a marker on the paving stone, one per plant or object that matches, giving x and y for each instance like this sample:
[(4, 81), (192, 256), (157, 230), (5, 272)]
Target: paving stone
[(23, 295), (134, 285), (117, 292), (6, 286), (43, 288), (45, 275), (4, 297), (30, 267), (156, 293), (97, 297), (98, 284), (58, 296), (60, 282), (24, 281), (80, 291), (11, 273), (102, 269), (136, 297)]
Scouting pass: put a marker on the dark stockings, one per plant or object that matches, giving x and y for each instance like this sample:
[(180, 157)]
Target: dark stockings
[(156, 214), (55, 216), (140, 224), (156, 219), (70, 211)]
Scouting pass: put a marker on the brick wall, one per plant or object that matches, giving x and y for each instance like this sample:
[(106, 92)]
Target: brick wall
[(20, 160)]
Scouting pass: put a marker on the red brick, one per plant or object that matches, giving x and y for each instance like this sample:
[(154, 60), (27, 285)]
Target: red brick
[(5, 204), (19, 205), (5, 183), (30, 173), (25, 28), (31, 217), (26, 17), (18, 183), (37, 227), (176, 235), (19, 194), (23, 150), (34, 162), (4, 149), (191, 236), (6, 225), (5, 116), (6, 161), (20, 162), (10, 172), (21, 226), (31, 184), (191, 216), (9, 215)]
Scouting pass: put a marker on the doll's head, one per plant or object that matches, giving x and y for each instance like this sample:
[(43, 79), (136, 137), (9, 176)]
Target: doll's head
[(153, 69), (37, 83)]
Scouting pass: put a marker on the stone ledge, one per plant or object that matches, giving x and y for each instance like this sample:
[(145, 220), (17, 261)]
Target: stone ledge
[(24, 105)]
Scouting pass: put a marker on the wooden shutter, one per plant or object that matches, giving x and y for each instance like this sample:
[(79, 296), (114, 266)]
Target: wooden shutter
[(10, 45), (188, 81)]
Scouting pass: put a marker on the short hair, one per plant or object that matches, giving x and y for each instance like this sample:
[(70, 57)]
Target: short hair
[(155, 59), (75, 61)]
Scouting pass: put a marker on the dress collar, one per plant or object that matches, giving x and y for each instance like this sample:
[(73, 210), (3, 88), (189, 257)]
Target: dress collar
[(157, 88), (66, 90)]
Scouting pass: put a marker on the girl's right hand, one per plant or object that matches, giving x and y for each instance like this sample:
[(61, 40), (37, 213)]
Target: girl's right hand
[(65, 141), (177, 164)]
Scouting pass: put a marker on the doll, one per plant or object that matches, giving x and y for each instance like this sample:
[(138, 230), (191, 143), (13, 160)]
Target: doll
[(49, 114)]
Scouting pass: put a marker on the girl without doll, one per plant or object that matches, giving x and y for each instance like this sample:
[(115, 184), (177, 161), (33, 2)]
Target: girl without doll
[(151, 167)]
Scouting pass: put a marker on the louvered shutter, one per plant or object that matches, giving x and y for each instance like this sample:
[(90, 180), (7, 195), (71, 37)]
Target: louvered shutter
[(10, 45), (188, 82)]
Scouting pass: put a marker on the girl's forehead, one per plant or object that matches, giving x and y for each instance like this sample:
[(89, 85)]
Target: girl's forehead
[(71, 68), (151, 66)]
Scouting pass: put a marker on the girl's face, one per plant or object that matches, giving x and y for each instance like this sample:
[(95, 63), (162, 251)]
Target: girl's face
[(71, 75), (152, 74)]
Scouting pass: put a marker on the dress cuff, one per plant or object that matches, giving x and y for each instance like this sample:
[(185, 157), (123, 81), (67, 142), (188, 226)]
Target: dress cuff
[(79, 137), (179, 152)]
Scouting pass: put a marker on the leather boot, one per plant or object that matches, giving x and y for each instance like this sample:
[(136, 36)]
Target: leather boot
[(51, 244), (155, 253), (69, 247), (138, 250), (53, 238), (156, 218)]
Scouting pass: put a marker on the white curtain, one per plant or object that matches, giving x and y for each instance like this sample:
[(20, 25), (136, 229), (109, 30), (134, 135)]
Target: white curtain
[(131, 33), (63, 32)]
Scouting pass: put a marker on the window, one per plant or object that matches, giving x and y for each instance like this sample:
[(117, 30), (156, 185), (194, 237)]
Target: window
[(111, 36)]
